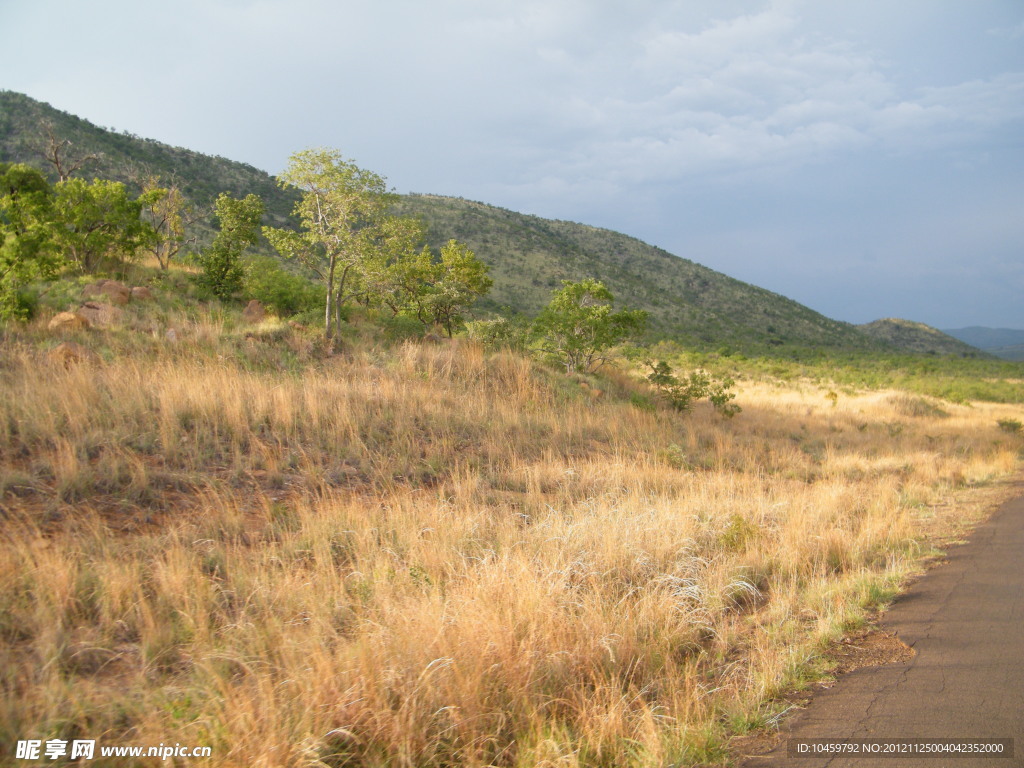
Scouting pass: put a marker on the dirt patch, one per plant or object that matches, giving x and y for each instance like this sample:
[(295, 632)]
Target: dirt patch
[(870, 648)]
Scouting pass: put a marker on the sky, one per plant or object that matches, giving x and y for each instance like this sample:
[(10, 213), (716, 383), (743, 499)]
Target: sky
[(864, 157)]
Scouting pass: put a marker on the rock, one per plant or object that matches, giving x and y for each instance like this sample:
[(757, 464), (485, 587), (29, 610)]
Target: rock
[(99, 314), (254, 312), (68, 353), (171, 335), (113, 291), (68, 321), (141, 293)]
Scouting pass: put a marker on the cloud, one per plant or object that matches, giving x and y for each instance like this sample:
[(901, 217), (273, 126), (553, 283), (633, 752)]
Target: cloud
[(741, 95)]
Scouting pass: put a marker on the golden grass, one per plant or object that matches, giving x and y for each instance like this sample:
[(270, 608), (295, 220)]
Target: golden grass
[(436, 556)]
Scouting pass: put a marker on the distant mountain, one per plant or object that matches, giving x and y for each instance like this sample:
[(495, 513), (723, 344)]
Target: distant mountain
[(1006, 343), (529, 256), (918, 338)]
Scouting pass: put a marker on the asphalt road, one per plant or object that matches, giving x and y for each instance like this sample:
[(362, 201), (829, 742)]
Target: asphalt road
[(965, 620)]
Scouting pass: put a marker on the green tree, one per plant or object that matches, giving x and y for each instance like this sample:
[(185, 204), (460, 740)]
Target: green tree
[(98, 225), (223, 270), (343, 216), (458, 280), (27, 250), (399, 280), (578, 327)]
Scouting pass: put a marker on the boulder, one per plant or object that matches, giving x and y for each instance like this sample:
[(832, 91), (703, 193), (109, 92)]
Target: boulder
[(141, 293), (254, 312), (111, 290), (99, 314), (68, 321), (68, 353)]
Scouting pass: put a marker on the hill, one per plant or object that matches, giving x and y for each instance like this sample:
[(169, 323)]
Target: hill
[(528, 255), (124, 156), (919, 338), (1006, 343)]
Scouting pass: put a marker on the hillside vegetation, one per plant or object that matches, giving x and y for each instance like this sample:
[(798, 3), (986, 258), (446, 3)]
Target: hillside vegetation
[(125, 157), (528, 256)]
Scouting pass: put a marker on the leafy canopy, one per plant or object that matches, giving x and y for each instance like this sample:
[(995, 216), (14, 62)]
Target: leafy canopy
[(458, 280), (98, 225), (171, 215), (223, 271), (27, 251), (578, 327), (681, 392), (342, 214)]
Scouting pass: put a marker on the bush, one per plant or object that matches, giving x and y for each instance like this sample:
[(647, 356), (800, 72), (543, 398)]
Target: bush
[(500, 333), (1011, 426), (281, 291), (682, 392), (18, 303), (578, 327), (401, 328), (905, 405)]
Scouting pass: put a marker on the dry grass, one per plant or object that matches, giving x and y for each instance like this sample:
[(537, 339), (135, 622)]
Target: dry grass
[(434, 556)]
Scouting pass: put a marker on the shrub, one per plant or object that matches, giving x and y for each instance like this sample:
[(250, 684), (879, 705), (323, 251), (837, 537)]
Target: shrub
[(283, 292), (578, 327), (1011, 426), (500, 333), (682, 392)]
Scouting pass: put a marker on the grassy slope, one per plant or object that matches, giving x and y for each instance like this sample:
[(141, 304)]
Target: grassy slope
[(433, 555), (529, 256)]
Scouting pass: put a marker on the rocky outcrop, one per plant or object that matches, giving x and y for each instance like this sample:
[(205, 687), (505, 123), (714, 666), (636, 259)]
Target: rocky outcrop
[(99, 314), (68, 321), (111, 290)]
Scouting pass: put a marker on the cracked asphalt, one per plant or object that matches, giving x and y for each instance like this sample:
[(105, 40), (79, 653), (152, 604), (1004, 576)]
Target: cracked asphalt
[(965, 621)]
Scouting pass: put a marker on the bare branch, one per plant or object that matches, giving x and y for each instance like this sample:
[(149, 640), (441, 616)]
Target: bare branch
[(56, 152)]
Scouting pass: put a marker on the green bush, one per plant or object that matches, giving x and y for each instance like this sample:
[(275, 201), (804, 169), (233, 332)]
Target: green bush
[(281, 291), (682, 392), (500, 333), (401, 328)]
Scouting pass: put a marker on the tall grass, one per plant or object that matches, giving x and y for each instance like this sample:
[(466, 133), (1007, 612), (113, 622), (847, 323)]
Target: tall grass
[(437, 556)]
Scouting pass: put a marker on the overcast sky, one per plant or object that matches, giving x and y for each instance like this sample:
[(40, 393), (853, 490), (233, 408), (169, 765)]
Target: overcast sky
[(864, 157)]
